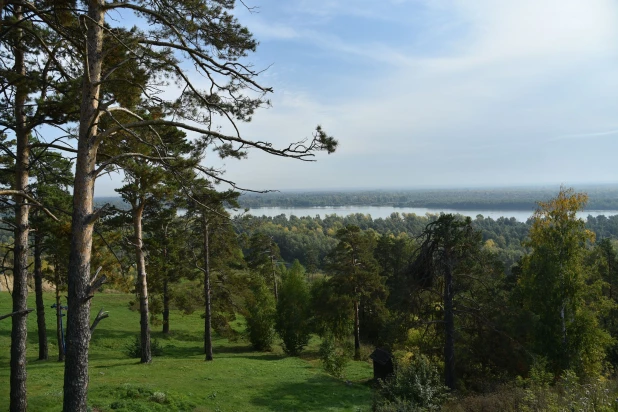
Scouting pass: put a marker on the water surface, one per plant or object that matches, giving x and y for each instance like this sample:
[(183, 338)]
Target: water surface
[(377, 212)]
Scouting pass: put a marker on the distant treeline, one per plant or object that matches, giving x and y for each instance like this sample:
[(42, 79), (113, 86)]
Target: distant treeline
[(115, 201), (600, 198), (310, 239)]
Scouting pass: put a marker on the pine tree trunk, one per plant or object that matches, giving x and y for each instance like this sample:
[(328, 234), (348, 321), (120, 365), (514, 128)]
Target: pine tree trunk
[(59, 332), (357, 355), (19, 332), (78, 316), (38, 290), (207, 294), (449, 330), (166, 293), (166, 306), (142, 285)]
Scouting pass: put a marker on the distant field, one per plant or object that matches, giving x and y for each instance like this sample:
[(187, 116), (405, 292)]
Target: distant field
[(237, 380)]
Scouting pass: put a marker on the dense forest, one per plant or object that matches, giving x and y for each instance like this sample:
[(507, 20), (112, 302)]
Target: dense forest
[(309, 239), (603, 197), (463, 304), (457, 300)]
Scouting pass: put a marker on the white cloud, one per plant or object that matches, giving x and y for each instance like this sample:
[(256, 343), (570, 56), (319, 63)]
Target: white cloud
[(510, 77)]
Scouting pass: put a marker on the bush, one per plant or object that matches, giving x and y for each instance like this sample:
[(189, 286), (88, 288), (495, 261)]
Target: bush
[(293, 311), (416, 386), (532, 394), (139, 399), (261, 316), (134, 348), (334, 356)]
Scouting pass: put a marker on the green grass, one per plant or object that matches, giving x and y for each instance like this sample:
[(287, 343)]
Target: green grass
[(237, 380)]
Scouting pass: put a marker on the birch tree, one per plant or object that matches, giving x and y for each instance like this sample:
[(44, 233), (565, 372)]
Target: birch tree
[(556, 290)]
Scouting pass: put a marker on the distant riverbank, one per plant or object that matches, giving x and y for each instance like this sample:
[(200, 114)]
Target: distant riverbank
[(378, 212)]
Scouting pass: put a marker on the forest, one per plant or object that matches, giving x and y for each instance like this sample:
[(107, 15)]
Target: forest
[(600, 197), (274, 313), (459, 302)]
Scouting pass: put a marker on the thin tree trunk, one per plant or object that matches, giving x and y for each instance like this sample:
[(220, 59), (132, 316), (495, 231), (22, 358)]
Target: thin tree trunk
[(166, 307), (166, 294), (78, 316), (207, 294), (19, 332), (272, 262), (38, 290), (59, 332), (142, 285), (449, 330), (611, 283), (356, 331)]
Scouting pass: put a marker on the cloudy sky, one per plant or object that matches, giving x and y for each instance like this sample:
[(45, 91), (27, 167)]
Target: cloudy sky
[(436, 93)]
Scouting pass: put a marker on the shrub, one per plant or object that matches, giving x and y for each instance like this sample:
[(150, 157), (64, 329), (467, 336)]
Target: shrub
[(134, 348), (293, 313), (416, 386), (532, 394), (131, 398), (261, 316), (334, 356)]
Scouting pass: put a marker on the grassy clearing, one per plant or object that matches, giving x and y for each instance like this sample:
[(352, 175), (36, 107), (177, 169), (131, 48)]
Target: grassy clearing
[(237, 380)]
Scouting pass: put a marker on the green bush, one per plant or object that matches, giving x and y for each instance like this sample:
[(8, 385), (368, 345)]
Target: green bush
[(134, 348), (334, 356), (140, 399), (415, 386), (293, 311), (535, 394), (261, 316)]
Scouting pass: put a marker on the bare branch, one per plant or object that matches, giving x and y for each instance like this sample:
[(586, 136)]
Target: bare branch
[(100, 316), (125, 155), (30, 198), (18, 313)]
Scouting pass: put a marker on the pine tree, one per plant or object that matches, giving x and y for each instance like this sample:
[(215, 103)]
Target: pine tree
[(448, 245), (356, 274)]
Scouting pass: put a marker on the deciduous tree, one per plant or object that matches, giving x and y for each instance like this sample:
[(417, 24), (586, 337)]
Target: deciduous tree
[(555, 287)]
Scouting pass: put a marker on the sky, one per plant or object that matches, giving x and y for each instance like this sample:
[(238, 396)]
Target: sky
[(434, 93)]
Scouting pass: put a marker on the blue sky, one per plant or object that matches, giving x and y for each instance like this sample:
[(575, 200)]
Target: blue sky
[(435, 93)]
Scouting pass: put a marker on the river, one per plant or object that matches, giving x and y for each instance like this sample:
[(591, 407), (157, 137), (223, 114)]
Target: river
[(385, 211)]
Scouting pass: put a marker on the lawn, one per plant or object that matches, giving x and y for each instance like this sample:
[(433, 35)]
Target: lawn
[(239, 379)]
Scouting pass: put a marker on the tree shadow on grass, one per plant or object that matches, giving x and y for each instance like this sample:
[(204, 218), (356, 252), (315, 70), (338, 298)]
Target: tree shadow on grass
[(230, 348), (318, 393), (180, 335), (116, 364), (181, 352), (257, 356)]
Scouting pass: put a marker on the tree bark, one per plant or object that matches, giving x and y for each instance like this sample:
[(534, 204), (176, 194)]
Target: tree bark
[(356, 331), (166, 307), (59, 332), (207, 293), (38, 290), (78, 316), (19, 332), (449, 330), (166, 293), (142, 285)]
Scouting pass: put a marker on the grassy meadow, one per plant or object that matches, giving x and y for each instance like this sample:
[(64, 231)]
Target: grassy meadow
[(239, 379)]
